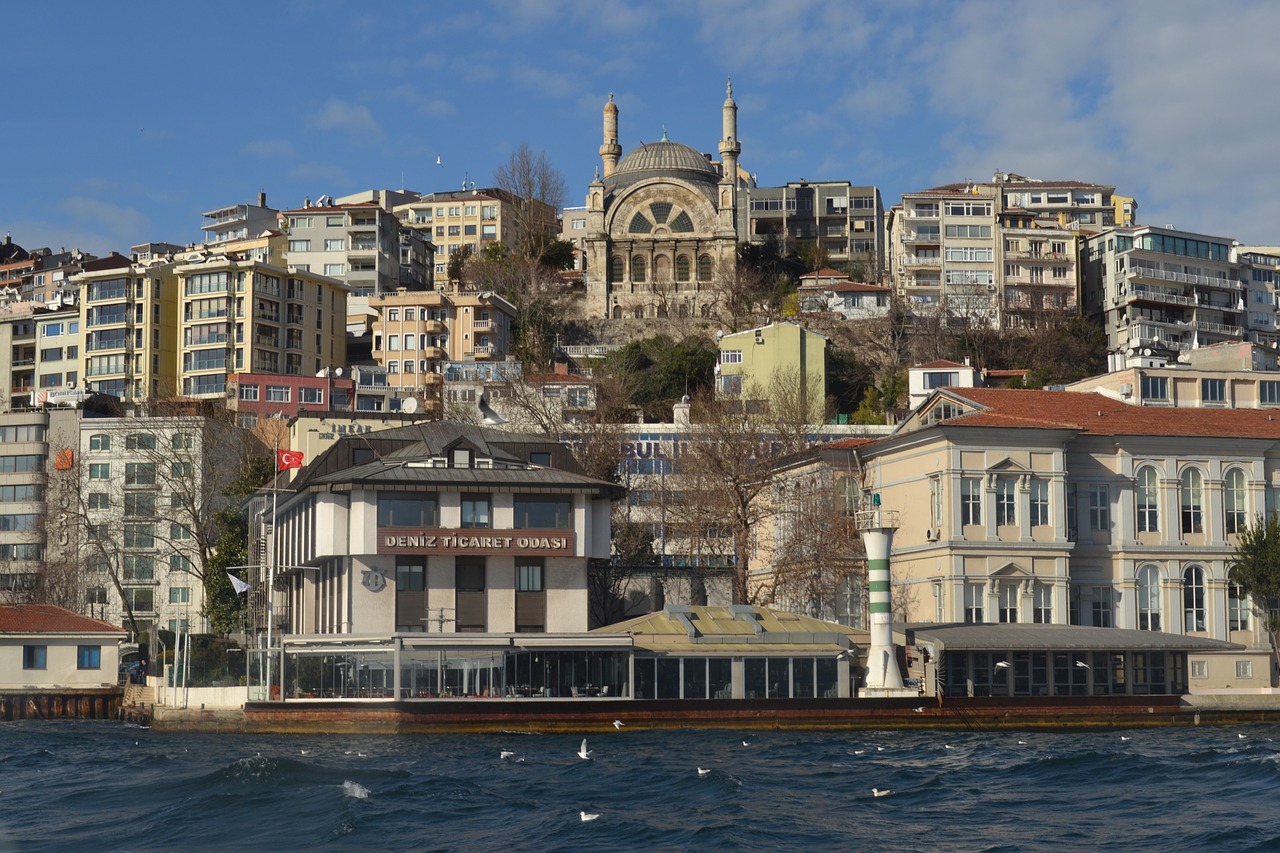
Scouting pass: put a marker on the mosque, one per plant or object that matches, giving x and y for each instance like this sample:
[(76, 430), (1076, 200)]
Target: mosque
[(662, 224)]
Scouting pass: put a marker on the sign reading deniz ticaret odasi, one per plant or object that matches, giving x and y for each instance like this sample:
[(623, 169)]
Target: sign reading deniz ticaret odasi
[(444, 541)]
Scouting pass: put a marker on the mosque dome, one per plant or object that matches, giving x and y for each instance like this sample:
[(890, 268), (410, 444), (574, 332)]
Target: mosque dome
[(664, 159)]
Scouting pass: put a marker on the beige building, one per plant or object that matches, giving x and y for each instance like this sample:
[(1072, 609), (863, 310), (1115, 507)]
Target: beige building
[(1059, 508), (358, 243), (471, 219), (242, 312), (783, 363), (415, 333), (662, 224)]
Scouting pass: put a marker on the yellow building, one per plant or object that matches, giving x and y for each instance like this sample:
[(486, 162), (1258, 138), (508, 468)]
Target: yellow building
[(129, 322), (781, 359)]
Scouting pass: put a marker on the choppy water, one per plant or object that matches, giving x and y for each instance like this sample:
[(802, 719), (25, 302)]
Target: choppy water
[(95, 786)]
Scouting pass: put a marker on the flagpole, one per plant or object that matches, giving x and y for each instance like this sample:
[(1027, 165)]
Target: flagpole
[(275, 555)]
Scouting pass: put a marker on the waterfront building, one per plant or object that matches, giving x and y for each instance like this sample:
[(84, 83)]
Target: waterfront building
[(833, 222), (44, 647), (1061, 508), (662, 224)]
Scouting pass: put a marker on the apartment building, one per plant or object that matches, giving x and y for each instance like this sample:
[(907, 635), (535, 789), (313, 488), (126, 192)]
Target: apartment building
[(24, 451), (838, 221), (243, 314), (17, 354), (471, 219), (129, 320), (779, 362), (358, 243), (415, 333), (239, 222), (1002, 252), (57, 353), (1159, 292)]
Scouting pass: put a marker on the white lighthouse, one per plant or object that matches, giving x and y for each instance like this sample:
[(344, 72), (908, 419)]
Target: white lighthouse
[(883, 676)]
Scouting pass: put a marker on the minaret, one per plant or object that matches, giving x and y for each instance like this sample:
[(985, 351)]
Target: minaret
[(730, 148), (877, 537), (610, 151)]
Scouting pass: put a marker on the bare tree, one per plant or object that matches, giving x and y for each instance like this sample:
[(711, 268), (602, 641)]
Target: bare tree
[(818, 545), (537, 192), (743, 296)]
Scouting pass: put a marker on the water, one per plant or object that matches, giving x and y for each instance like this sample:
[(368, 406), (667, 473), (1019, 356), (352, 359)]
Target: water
[(103, 786)]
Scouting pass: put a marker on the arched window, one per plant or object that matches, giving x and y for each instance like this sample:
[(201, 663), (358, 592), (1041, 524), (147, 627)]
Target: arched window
[(662, 268), (637, 268), (1148, 501), (617, 312), (1233, 501), (615, 268), (638, 312), (100, 441), (1193, 599), (704, 268), (682, 268), (1192, 501), (1149, 598), (684, 311)]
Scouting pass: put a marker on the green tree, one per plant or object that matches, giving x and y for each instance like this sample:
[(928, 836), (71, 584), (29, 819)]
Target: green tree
[(1256, 567), (224, 607), (656, 372)]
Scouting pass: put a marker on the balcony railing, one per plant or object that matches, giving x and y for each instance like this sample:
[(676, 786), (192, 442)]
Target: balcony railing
[(1146, 294), (1184, 278), (1217, 328), (921, 237), (917, 261)]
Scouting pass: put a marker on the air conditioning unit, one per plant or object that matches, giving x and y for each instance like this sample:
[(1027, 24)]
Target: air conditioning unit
[(932, 534)]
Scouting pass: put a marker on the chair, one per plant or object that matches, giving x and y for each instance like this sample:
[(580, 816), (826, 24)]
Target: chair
[(574, 691)]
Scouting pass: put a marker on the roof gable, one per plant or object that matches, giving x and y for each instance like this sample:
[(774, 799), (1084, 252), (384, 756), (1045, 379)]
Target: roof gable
[(48, 619)]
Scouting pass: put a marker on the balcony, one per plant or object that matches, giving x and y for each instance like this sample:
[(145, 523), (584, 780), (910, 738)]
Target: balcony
[(483, 351), (923, 237), (1146, 294), (1183, 278), (430, 380), (433, 353), (1217, 328), (435, 327), (922, 213), (910, 261), (482, 325)]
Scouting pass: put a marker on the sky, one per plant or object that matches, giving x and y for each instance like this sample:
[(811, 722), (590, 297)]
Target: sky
[(126, 122)]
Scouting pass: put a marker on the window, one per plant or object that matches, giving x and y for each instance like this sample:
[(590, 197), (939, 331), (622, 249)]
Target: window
[(335, 244), (299, 245), (140, 441), (140, 599), (140, 505), (139, 536), (1213, 390), (1269, 392), (469, 585), (475, 510), (408, 509), (974, 594), (314, 396), (35, 657), (1244, 669), (1009, 602), (88, 657), (249, 393), (637, 268), (1099, 507), (99, 470), (1238, 607), (1199, 669), (335, 269), (731, 356), (941, 379), (1193, 599), (1006, 501), (411, 574), (100, 441), (1155, 388), (178, 532), (704, 268), (1043, 612), (1149, 598), (1039, 502), (1148, 500), (1102, 607), (278, 393), (1192, 495), (180, 595), (1233, 500), (528, 574), (543, 513), (971, 501), (140, 473)]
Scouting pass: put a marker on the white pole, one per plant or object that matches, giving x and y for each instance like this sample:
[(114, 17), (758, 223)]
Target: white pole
[(275, 556), (877, 537)]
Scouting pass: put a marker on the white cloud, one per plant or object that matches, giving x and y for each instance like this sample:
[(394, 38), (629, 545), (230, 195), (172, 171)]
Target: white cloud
[(355, 119), (121, 225)]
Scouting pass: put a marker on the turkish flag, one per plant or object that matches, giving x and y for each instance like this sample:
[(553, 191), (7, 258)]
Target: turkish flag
[(288, 459)]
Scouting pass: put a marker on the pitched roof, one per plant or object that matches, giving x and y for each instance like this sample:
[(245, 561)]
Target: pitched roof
[(942, 362), (48, 619), (1094, 414)]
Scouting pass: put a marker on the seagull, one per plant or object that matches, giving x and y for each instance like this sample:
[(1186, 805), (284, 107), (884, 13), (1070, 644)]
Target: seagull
[(746, 743), (306, 752), (505, 754), (859, 751), (947, 746), (1022, 743), (879, 749), (1082, 664), (876, 792), (1002, 664), (587, 818), (702, 772), (617, 724), (1122, 737), (919, 710), (584, 753), (1241, 736)]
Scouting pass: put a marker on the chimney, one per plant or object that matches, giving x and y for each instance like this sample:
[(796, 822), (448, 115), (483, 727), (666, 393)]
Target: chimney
[(262, 199)]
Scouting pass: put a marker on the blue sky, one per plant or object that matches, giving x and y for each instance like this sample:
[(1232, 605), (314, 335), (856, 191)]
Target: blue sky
[(127, 121)]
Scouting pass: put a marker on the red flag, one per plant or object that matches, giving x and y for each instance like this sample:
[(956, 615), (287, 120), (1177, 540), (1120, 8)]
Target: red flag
[(288, 459)]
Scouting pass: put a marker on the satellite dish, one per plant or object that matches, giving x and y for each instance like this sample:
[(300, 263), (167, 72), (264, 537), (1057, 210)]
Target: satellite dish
[(409, 406)]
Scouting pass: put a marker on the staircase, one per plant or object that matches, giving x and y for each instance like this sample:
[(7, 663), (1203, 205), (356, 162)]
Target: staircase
[(139, 695)]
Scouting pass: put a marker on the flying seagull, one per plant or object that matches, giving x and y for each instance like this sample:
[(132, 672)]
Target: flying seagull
[(746, 743), (587, 818), (876, 792), (1123, 737), (505, 754), (1002, 664), (617, 724), (1241, 736), (702, 772), (583, 752), (919, 710), (1082, 664)]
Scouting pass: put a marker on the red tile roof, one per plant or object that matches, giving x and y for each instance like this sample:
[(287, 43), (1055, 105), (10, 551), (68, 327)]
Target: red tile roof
[(48, 619), (933, 365), (1094, 414)]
